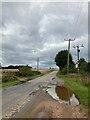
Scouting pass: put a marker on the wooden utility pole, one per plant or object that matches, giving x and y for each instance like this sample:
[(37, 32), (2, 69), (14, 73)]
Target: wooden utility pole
[(68, 53), (37, 63)]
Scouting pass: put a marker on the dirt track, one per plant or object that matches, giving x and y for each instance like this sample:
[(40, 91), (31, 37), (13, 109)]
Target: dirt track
[(32, 102), (41, 105), (15, 96)]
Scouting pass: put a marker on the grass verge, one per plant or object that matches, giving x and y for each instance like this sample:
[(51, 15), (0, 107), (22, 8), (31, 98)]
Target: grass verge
[(11, 83), (47, 72), (11, 80), (44, 73), (75, 83)]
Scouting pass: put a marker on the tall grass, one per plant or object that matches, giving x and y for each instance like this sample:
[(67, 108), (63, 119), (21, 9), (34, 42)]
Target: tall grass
[(75, 82)]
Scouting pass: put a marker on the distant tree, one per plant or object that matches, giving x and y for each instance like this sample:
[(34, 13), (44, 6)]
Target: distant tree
[(10, 67), (61, 59), (50, 68)]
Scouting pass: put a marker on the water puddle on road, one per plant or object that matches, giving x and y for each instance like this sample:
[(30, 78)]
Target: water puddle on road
[(63, 94)]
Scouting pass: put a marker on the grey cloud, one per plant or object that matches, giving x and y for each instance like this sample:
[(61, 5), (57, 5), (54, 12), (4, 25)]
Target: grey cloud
[(38, 30)]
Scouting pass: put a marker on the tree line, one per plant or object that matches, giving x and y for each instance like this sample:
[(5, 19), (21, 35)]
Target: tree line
[(14, 67)]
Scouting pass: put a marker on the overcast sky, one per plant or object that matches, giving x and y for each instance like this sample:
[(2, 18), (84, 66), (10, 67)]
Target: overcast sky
[(32, 30)]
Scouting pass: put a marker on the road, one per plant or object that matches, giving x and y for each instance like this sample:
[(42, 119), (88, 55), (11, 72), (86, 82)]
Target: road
[(15, 96)]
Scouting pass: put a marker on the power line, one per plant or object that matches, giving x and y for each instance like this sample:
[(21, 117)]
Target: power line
[(69, 40), (78, 16)]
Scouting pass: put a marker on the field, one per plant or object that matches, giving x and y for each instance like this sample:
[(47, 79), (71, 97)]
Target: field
[(10, 77), (42, 70)]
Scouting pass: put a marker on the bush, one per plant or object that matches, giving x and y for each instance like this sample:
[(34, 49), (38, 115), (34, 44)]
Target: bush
[(88, 67), (64, 71), (25, 71), (72, 69), (83, 68), (8, 78)]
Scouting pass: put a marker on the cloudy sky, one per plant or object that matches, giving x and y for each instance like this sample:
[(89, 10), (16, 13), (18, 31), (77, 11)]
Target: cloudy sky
[(32, 30)]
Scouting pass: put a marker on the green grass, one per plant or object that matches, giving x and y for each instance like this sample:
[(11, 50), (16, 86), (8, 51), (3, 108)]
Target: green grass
[(33, 77), (47, 72), (0, 84), (9, 80), (44, 73), (75, 83), (11, 83)]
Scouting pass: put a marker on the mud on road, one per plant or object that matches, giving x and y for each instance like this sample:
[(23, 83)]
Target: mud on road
[(41, 105)]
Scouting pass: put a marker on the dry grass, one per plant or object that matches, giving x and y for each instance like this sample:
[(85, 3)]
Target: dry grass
[(9, 70), (16, 70), (42, 70)]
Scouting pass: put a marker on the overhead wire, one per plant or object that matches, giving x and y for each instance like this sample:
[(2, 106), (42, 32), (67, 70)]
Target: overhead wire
[(81, 20), (67, 16), (78, 22), (75, 25), (75, 22)]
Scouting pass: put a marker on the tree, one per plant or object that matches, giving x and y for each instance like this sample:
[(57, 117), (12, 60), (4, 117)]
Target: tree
[(61, 59)]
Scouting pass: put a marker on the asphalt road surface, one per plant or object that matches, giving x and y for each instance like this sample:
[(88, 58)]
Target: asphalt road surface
[(15, 96)]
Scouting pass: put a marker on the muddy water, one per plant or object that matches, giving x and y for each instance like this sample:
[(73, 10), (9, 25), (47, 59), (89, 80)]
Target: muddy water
[(63, 94)]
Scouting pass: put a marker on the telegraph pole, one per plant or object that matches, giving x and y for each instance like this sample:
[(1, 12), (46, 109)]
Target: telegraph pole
[(37, 63), (78, 52), (68, 53)]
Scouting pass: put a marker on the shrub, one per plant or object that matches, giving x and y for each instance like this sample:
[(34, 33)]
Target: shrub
[(88, 67), (83, 68), (25, 71), (72, 69), (8, 78), (64, 71)]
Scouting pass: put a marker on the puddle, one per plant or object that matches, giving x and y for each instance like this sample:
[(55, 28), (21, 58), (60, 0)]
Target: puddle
[(63, 94)]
